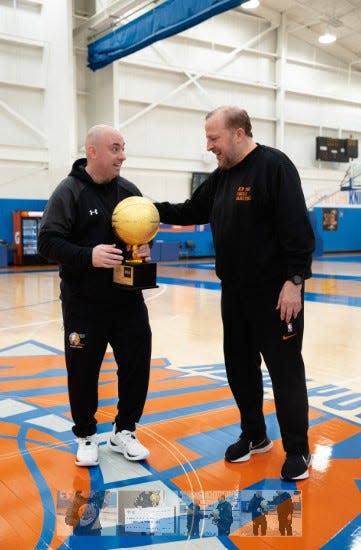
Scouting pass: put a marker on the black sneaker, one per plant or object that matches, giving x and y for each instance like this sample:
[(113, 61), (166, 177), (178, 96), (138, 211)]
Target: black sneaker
[(241, 450), (296, 467)]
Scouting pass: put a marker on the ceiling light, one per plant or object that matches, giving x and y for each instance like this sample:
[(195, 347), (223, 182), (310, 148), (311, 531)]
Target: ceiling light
[(327, 38), (250, 5)]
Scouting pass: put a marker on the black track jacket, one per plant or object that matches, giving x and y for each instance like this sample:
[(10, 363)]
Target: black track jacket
[(77, 217), (258, 216)]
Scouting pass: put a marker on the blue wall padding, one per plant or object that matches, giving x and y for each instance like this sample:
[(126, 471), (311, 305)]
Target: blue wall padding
[(347, 236), (171, 17), (7, 207), (202, 240)]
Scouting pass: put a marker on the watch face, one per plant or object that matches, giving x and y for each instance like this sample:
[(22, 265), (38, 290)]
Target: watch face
[(297, 280)]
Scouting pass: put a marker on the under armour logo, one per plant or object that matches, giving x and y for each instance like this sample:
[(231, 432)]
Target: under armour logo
[(95, 212)]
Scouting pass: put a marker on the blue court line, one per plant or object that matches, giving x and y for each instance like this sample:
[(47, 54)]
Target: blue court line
[(186, 411), (271, 485), (53, 351), (336, 277), (11, 272), (349, 538), (65, 440), (203, 265), (17, 394), (24, 306), (353, 301), (349, 448), (58, 372), (210, 285), (36, 375), (48, 527)]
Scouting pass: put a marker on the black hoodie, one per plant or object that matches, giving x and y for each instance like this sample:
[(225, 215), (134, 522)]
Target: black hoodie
[(258, 216), (77, 217)]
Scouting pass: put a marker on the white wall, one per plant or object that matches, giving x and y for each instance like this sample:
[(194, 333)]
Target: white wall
[(48, 99), (162, 117), (37, 99)]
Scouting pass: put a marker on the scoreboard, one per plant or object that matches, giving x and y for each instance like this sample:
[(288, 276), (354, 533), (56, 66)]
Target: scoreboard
[(336, 150)]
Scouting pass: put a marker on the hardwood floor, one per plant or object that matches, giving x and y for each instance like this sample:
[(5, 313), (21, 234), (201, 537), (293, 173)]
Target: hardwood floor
[(189, 420)]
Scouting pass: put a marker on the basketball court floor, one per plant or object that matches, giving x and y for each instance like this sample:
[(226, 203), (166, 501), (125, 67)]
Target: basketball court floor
[(189, 420)]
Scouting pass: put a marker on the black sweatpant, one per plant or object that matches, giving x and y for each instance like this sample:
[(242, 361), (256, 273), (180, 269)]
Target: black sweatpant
[(87, 331), (252, 327)]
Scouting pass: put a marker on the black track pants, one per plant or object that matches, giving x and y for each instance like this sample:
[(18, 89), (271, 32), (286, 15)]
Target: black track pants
[(252, 327), (86, 338)]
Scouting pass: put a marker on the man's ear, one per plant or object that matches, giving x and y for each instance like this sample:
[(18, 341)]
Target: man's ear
[(91, 152), (240, 133)]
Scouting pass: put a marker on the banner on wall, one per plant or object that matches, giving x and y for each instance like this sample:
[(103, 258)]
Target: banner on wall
[(330, 219), (171, 17)]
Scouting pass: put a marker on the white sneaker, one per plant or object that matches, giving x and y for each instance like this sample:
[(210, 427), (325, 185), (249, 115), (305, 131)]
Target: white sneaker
[(87, 454), (126, 443)]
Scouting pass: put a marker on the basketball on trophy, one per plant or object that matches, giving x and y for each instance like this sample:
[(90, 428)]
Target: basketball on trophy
[(135, 220)]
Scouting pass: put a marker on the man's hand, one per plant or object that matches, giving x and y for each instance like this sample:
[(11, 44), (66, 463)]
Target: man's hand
[(106, 255), (289, 301), (142, 251)]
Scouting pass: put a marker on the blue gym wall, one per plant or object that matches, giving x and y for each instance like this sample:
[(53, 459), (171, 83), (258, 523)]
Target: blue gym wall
[(347, 236), (196, 241), (168, 245), (7, 206)]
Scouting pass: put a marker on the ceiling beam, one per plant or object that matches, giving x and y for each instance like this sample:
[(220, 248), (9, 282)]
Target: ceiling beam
[(117, 9)]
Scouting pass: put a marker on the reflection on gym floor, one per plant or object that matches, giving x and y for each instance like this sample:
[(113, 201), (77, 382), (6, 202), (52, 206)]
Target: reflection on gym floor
[(185, 494)]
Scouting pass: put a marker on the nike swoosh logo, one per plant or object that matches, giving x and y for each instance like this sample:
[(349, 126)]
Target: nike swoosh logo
[(284, 337)]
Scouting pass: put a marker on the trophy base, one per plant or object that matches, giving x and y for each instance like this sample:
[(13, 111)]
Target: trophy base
[(139, 276)]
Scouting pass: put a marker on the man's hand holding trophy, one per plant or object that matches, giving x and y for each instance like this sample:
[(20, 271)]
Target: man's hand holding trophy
[(135, 221)]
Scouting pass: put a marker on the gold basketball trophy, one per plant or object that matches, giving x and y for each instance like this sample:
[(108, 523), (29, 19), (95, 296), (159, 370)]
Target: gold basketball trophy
[(135, 221)]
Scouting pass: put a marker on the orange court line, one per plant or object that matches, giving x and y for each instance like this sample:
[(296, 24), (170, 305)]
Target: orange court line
[(159, 404), (32, 383), (29, 364), (7, 428), (49, 400)]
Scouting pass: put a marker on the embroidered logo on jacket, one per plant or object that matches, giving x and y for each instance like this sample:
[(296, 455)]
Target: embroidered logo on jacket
[(243, 193), (93, 212)]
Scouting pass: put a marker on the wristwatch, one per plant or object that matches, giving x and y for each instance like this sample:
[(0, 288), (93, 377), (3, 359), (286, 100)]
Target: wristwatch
[(296, 279)]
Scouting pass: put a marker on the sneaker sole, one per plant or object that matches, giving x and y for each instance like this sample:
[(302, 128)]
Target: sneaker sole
[(86, 463), (252, 452), (305, 474), (117, 449)]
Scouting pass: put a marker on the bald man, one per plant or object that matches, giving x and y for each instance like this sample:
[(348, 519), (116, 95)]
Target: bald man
[(76, 232)]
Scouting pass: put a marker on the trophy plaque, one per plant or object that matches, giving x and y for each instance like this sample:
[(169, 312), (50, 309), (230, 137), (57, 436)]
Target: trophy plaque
[(135, 221)]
